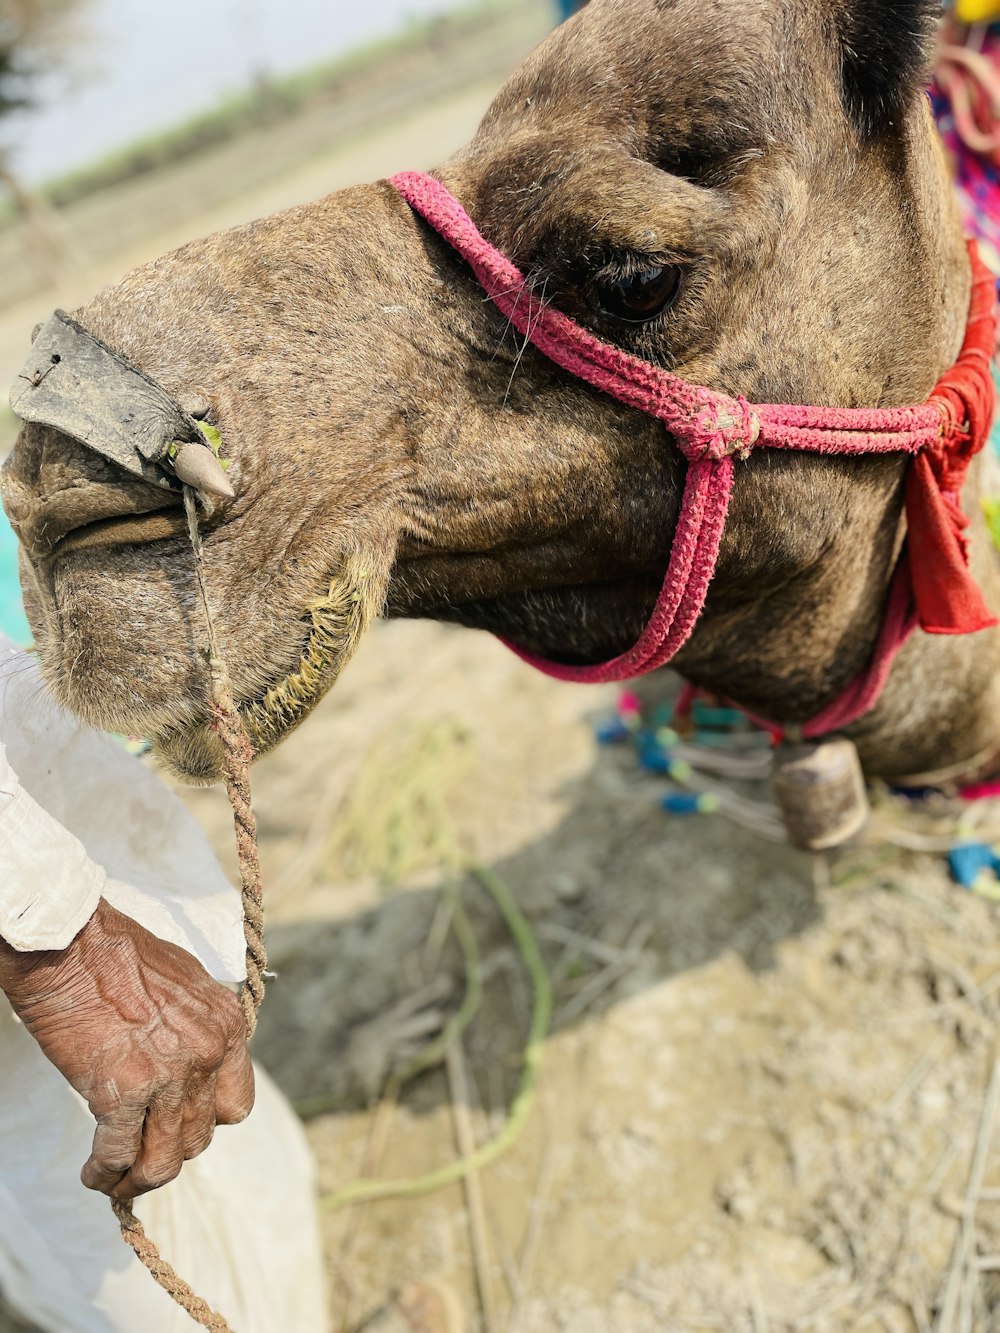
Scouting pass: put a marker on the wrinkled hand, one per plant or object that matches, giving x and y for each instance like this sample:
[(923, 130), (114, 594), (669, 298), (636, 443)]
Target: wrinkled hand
[(139, 1028)]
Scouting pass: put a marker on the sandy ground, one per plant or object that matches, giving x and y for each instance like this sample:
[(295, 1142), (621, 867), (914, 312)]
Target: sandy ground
[(759, 1103), (765, 1083)]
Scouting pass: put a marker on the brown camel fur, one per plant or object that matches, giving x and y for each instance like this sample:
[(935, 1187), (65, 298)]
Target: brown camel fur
[(395, 447)]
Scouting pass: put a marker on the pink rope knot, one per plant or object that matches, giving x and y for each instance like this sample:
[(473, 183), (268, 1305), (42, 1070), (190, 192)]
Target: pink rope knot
[(726, 429)]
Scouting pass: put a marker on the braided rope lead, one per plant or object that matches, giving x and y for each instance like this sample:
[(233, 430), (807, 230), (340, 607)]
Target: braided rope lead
[(176, 1288), (238, 756)]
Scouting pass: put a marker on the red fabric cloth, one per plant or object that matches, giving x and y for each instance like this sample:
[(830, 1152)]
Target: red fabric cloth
[(947, 597), (948, 600)]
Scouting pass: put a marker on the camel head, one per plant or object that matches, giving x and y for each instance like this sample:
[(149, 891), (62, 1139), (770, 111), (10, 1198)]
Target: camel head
[(749, 194)]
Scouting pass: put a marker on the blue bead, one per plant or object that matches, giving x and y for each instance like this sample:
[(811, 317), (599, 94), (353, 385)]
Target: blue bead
[(681, 803), (968, 860), (716, 718), (655, 760)]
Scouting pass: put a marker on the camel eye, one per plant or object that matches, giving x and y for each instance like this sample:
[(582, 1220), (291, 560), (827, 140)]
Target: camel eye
[(638, 297)]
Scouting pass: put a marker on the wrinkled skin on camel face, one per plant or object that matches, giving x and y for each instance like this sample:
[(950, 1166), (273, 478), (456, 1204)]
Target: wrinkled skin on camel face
[(395, 447)]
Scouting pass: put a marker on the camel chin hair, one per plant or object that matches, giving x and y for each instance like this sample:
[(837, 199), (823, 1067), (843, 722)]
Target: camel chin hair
[(333, 628)]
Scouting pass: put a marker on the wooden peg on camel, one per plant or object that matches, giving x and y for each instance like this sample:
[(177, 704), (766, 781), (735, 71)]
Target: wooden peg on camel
[(821, 793)]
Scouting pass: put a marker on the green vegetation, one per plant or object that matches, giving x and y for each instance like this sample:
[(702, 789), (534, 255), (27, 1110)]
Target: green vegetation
[(267, 103)]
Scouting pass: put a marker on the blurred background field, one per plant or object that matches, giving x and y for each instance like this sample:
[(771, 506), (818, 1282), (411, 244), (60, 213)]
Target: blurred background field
[(405, 100), (764, 1084)]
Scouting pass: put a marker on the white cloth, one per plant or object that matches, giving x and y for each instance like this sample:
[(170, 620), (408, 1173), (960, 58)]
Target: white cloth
[(160, 868), (49, 886), (240, 1222)]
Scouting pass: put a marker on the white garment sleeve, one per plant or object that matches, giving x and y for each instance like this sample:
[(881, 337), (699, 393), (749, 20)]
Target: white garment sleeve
[(92, 804), (49, 886)]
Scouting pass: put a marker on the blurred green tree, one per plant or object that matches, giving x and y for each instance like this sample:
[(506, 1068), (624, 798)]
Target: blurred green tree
[(38, 39), (12, 98)]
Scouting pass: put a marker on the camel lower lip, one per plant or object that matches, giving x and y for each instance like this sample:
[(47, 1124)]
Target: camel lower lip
[(332, 627), (130, 530)]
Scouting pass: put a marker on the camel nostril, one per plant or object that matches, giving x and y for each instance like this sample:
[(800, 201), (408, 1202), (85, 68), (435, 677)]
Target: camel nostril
[(194, 404)]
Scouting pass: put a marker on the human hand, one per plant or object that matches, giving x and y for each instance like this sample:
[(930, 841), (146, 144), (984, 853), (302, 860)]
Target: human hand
[(138, 1027)]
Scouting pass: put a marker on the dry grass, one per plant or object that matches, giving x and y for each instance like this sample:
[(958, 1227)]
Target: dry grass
[(395, 821)]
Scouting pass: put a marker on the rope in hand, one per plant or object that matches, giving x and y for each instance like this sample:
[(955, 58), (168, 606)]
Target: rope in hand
[(238, 756)]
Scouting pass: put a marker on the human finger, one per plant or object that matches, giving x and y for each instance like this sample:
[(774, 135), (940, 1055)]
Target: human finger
[(199, 1119), (117, 1143), (234, 1089), (161, 1154)]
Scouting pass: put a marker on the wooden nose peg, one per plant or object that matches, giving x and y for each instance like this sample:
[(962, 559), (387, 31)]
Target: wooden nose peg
[(821, 793)]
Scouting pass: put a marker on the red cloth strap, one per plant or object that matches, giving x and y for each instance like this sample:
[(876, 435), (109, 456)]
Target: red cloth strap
[(948, 600)]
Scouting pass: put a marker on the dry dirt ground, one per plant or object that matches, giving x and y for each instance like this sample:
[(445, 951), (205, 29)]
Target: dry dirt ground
[(762, 1104), (759, 1103)]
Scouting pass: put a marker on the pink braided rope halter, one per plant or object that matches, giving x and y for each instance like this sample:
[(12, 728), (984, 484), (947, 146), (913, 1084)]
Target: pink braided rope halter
[(931, 586)]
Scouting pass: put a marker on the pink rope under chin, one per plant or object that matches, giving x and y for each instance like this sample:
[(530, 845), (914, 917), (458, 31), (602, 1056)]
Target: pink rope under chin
[(693, 554), (713, 429)]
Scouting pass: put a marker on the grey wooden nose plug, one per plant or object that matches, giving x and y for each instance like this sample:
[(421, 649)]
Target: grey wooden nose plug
[(75, 384)]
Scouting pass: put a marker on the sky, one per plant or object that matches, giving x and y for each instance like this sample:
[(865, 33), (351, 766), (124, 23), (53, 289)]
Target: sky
[(150, 63)]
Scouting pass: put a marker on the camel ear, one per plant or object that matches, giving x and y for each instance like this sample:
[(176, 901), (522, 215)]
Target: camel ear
[(886, 47)]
